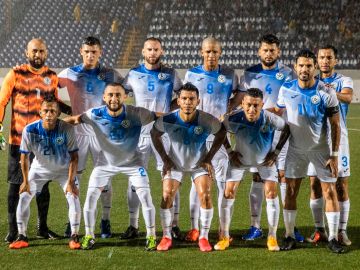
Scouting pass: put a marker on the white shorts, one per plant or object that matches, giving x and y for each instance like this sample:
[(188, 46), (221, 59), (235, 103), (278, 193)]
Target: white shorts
[(146, 147), (266, 173), (343, 162), (297, 163), (87, 144), (101, 175), (280, 161), (38, 178), (220, 161), (178, 175)]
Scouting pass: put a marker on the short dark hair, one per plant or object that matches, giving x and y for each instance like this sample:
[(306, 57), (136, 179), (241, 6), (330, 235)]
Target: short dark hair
[(153, 39), (328, 47), (50, 98), (255, 93), (91, 41), (305, 53), (115, 84), (188, 87), (269, 39)]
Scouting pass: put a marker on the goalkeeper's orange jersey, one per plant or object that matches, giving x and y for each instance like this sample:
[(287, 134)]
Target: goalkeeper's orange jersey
[(26, 87)]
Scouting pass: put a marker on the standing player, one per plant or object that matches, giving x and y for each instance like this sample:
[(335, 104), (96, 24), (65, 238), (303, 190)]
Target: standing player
[(310, 105), (188, 130), (268, 76), (153, 85), (254, 129), (85, 84), (216, 84), (327, 60), (53, 143), (26, 86), (117, 128)]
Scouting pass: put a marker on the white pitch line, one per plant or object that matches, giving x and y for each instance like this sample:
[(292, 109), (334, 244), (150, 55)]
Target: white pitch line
[(352, 118), (354, 129)]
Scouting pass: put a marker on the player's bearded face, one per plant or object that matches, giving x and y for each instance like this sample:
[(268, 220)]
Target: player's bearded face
[(188, 101), (114, 98), (152, 52), (269, 54), (326, 60), (252, 107), (305, 68), (36, 53)]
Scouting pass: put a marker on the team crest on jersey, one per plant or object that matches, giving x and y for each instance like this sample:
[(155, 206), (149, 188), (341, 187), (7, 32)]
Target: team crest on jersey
[(279, 76), (198, 130), (265, 128), (59, 140), (162, 76), (315, 99), (221, 79), (125, 123), (47, 80), (101, 76)]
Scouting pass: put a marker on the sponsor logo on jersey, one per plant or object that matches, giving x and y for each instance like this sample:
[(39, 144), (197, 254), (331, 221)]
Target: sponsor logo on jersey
[(198, 130), (139, 78), (331, 85), (200, 79), (315, 99), (294, 96), (59, 140), (101, 76), (125, 123), (279, 76), (47, 80), (265, 128), (221, 79), (162, 76)]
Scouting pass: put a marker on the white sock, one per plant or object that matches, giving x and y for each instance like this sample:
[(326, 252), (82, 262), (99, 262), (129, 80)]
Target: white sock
[(92, 196), (333, 223), (225, 216), (220, 194), (206, 216), (176, 208), (74, 212), (344, 214), (289, 220), (106, 199), (148, 210), (256, 197), (23, 212), (194, 207), (273, 212), (165, 216), (133, 206), (283, 193), (317, 210)]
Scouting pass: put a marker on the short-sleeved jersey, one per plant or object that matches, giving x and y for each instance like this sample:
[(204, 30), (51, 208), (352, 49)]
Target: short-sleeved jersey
[(26, 87), (253, 139), (187, 139), (338, 82), (50, 147), (118, 136), (268, 81), (306, 114), (86, 88), (152, 89), (215, 88)]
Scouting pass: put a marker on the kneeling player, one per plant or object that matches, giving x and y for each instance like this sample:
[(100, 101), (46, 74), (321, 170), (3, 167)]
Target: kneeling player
[(53, 143), (254, 131), (188, 130)]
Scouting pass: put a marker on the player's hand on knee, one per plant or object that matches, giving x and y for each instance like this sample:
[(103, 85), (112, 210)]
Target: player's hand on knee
[(168, 165), (24, 187), (332, 164), (72, 188), (234, 158), (207, 166), (2, 139), (270, 159)]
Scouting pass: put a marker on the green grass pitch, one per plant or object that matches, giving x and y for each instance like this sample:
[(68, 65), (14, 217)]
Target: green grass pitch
[(119, 254)]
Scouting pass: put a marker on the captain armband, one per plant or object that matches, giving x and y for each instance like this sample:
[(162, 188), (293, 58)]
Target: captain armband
[(332, 111)]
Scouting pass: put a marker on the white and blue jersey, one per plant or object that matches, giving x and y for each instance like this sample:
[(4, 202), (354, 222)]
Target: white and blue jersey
[(86, 88), (306, 114), (152, 89), (118, 136), (268, 81), (215, 88), (50, 147), (187, 139), (338, 82), (253, 139)]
